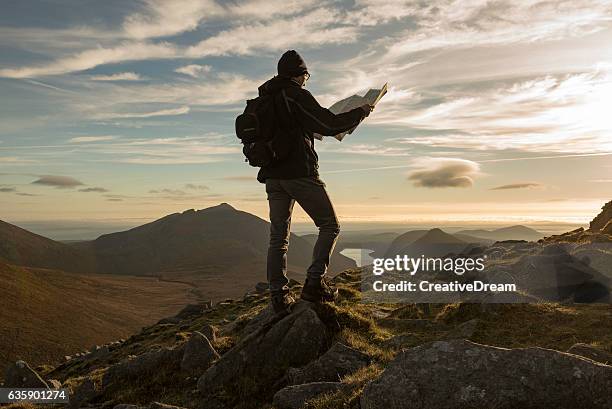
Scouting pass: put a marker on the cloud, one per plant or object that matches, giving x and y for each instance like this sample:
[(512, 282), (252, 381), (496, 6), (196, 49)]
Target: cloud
[(194, 70), (87, 139), (26, 194), (6, 189), (120, 76), (173, 192), (511, 186), (563, 114), (196, 187), (162, 112), (312, 29), (84, 60), (60, 182), (444, 172), (162, 18), (93, 189)]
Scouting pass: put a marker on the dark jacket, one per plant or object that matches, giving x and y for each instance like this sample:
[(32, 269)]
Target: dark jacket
[(300, 115)]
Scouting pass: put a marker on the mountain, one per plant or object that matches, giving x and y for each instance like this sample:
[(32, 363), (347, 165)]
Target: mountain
[(217, 238), (21, 247), (431, 243), (517, 232), (47, 314)]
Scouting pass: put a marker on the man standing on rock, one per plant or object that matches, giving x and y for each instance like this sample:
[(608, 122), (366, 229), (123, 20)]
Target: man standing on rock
[(295, 178)]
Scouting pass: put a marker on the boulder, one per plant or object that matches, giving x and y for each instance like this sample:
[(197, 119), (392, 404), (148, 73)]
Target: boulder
[(464, 331), (458, 374), (21, 375), (263, 356), (339, 361), (198, 354), (400, 341), (591, 352), (296, 396), (145, 364)]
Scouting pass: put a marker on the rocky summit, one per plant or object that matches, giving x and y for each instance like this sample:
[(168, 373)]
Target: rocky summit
[(352, 354)]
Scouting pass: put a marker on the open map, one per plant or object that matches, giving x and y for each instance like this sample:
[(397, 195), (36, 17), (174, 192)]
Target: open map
[(371, 97)]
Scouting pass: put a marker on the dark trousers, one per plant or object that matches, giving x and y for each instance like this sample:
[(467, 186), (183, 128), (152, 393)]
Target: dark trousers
[(310, 194)]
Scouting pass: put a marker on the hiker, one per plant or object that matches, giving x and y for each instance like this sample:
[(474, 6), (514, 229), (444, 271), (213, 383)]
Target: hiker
[(295, 178)]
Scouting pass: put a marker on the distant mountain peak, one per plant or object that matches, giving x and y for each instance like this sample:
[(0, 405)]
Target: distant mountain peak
[(221, 206), (437, 235)]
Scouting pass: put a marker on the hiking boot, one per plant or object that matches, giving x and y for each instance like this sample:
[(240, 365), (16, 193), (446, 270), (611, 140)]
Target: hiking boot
[(282, 303), (318, 290)]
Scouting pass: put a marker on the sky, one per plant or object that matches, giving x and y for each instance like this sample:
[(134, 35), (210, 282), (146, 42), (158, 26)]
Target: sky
[(497, 111)]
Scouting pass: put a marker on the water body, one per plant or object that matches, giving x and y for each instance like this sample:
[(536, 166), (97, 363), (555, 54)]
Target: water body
[(361, 256)]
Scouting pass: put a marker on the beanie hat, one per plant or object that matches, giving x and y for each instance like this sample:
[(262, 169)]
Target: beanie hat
[(291, 65)]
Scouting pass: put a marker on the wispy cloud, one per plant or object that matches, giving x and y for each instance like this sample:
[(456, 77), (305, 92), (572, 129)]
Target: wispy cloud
[(94, 190), (162, 112), (313, 28), (7, 189), (556, 114), (193, 186), (444, 172), (120, 76), (512, 186), (60, 182), (88, 139), (194, 70), (126, 51)]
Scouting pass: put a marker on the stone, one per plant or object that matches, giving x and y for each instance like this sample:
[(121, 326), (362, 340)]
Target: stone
[(133, 367), (591, 352), (339, 361), (296, 396), (400, 341), (198, 354), (263, 357), (21, 375), (464, 331), (459, 374)]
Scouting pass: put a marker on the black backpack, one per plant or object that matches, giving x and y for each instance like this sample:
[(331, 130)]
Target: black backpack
[(259, 129)]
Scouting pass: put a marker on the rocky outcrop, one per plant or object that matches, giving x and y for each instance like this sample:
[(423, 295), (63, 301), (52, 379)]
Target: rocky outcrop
[(263, 356), (20, 375), (142, 365), (459, 374), (601, 220), (198, 354), (339, 361), (295, 397)]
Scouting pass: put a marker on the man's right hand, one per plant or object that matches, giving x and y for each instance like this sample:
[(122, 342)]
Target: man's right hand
[(367, 108)]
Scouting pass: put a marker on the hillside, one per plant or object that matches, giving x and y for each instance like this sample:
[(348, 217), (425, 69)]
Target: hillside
[(46, 314), (21, 247), (216, 238), (517, 232), (237, 355)]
